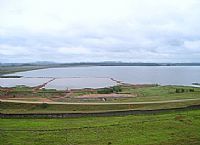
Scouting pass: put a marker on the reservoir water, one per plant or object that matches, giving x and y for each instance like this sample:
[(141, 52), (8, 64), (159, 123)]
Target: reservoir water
[(99, 76)]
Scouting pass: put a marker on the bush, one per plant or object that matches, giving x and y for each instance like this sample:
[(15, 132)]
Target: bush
[(114, 89), (180, 90), (191, 90), (117, 89), (44, 105), (105, 91)]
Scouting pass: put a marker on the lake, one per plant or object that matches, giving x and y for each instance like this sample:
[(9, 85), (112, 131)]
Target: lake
[(99, 76)]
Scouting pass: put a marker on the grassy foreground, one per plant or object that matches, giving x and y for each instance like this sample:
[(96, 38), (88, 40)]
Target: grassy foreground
[(181, 128)]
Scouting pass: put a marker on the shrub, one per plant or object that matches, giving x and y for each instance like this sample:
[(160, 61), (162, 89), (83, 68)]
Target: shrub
[(109, 90), (191, 90), (180, 90), (44, 105), (105, 91), (116, 89)]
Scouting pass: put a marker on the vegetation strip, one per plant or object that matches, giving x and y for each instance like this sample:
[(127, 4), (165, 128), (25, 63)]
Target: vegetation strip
[(97, 114), (78, 128), (76, 103)]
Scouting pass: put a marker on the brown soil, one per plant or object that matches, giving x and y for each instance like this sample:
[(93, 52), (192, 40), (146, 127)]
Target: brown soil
[(88, 96)]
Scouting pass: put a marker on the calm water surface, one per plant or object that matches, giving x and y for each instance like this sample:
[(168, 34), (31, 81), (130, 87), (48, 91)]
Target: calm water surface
[(11, 82), (78, 83), (164, 75)]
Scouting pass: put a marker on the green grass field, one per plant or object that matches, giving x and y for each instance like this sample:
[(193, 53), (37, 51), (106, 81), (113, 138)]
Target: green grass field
[(161, 93), (11, 108), (163, 129)]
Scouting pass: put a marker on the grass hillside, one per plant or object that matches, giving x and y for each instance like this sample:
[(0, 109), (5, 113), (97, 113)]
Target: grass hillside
[(165, 129)]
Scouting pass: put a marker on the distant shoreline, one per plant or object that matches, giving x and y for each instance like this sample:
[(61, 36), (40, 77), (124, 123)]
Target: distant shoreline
[(9, 68), (52, 64)]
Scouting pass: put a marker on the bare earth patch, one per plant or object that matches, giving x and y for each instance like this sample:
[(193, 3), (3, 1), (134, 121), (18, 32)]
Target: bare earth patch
[(88, 96)]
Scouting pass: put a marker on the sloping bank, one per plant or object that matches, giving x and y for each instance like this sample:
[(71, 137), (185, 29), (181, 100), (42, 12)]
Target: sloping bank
[(97, 114)]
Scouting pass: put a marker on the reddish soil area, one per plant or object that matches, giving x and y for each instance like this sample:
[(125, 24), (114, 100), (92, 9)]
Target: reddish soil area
[(88, 96)]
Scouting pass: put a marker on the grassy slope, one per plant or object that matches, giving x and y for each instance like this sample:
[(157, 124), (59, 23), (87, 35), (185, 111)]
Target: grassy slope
[(164, 129), (161, 93), (44, 108)]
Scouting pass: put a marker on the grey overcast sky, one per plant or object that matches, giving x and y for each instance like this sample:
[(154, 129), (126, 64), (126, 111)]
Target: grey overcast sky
[(100, 30)]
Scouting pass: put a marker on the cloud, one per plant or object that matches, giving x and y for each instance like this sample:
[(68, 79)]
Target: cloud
[(193, 45), (12, 50), (99, 30), (74, 50)]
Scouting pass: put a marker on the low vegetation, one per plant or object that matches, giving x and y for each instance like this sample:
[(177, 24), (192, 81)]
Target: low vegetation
[(28, 92), (178, 128), (110, 90), (6, 107)]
